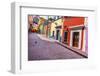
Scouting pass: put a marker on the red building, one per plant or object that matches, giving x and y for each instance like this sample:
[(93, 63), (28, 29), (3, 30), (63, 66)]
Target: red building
[(74, 32)]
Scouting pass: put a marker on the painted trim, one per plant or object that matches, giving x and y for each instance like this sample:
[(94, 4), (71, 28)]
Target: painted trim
[(84, 41), (71, 38), (76, 26)]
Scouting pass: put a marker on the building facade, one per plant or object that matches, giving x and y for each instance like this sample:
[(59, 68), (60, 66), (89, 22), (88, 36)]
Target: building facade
[(74, 32), (70, 30), (56, 29)]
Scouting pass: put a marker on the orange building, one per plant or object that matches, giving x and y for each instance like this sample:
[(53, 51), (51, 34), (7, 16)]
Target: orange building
[(74, 32)]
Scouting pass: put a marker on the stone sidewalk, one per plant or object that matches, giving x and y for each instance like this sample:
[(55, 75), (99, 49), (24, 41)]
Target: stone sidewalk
[(80, 52), (45, 38)]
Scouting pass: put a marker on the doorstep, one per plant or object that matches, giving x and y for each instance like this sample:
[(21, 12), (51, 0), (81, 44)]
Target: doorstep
[(80, 52)]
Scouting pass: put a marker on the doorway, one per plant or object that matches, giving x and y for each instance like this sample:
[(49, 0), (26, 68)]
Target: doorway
[(75, 41), (58, 34), (65, 36), (53, 33)]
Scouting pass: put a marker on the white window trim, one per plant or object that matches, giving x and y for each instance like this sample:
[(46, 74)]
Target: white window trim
[(84, 41), (76, 26), (71, 38)]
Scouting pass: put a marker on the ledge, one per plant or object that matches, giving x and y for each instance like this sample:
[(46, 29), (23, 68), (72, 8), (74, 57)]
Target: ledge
[(80, 52)]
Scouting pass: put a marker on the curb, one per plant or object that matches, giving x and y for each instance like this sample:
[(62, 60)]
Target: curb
[(74, 50)]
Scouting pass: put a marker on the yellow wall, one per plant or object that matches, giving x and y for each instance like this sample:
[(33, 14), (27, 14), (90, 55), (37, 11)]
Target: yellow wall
[(52, 28), (53, 25), (30, 21)]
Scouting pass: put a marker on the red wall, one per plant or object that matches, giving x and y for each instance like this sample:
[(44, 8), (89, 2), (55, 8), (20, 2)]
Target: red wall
[(73, 21)]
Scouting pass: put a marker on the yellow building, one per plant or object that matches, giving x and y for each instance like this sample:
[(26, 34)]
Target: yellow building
[(40, 25), (56, 29), (30, 21)]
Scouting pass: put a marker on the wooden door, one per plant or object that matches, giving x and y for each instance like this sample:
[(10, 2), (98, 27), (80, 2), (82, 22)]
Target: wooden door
[(75, 42)]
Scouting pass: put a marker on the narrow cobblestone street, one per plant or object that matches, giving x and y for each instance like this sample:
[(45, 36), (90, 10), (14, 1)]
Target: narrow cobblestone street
[(39, 49)]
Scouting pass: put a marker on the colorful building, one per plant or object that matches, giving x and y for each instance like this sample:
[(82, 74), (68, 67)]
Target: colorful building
[(56, 29), (74, 32), (30, 21), (71, 31), (33, 23)]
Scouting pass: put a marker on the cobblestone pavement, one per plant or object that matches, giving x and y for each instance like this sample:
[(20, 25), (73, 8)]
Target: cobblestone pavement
[(39, 49)]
